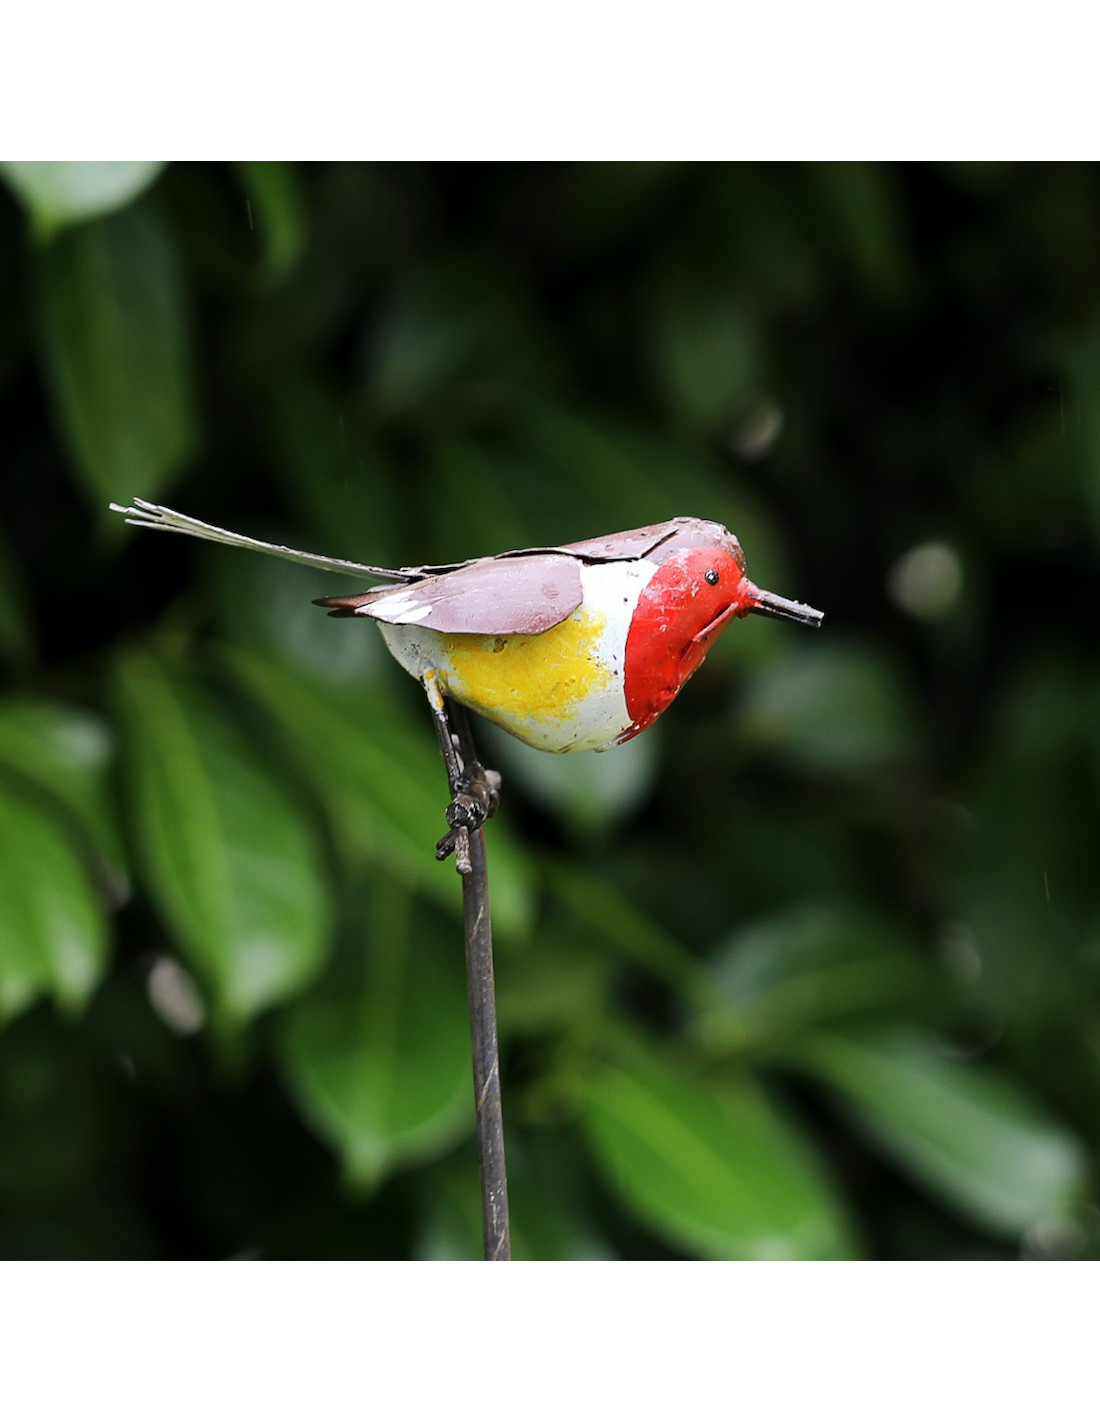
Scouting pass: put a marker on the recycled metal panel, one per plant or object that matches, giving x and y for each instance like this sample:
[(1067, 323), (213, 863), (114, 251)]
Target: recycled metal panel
[(493, 597), (641, 542)]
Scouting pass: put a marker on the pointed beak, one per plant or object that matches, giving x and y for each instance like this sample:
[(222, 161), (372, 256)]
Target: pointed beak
[(771, 605)]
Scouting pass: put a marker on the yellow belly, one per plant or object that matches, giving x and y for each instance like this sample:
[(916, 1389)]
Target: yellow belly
[(516, 681), (557, 691)]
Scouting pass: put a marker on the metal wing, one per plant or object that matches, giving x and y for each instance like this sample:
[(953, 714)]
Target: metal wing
[(609, 548), (492, 597), (635, 542)]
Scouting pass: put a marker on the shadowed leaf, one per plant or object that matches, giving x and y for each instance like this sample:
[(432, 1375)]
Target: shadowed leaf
[(53, 930), (114, 346), (969, 1133), (59, 194), (229, 858), (713, 1167), (384, 784), (382, 1069)]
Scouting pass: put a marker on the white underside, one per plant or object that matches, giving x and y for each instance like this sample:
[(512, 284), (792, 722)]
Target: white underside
[(585, 706)]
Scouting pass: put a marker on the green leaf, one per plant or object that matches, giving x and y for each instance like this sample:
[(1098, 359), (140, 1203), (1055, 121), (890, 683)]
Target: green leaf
[(616, 920), (454, 336), (266, 605), (500, 517), (547, 1217), (713, 1167), (382, 1070), (548, 1195), (58, 194), (834, 707), (449, 1225), (1024, 861), (969, 1133), (704, 347), (616, 474), (53, 931), (67, 751), (860, 207), (384, 783), (276, 204), (805, 965), (114, 346), (333, 470), (230, 859), (561, 988)]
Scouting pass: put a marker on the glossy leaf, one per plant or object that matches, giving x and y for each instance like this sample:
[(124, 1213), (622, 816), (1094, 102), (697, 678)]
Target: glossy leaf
[(58, 194), (705, 347), (1024, 860), (53, 929), (624, 927), (384, 783), (811, 964), (500, 517), (334, 473), (831, 707), (275, 206), (449, 1223), (453, 336), (969, 1133), (229, 857), (266, 605), (626, 477), (382, 1069), (114, 346), (67, 751), (712, 1167), (858, 203), (546, 1221)]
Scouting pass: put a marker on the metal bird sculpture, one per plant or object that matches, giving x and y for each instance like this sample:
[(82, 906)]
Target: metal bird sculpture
[(570, 648)]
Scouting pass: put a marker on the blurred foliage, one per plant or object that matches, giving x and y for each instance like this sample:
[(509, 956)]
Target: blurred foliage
[(810, 970)]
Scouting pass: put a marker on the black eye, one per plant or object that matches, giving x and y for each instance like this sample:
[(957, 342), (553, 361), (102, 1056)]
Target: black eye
[(711, 576)]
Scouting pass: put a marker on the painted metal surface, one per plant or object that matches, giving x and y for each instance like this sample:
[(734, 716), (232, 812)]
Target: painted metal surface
[(576, 647), (560, 690), (490, 596)]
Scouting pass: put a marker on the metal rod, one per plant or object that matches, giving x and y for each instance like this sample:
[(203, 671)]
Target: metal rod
[(483, 1037), (483, 1026)]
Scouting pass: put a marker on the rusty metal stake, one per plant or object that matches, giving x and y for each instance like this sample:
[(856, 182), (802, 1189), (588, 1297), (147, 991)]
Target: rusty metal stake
[(483, 1036), (474, 796)]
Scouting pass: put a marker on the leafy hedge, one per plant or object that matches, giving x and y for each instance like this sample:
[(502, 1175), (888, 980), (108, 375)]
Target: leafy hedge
[(809, 970)]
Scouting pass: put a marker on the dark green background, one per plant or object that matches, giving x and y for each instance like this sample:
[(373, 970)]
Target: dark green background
[(811, 969)]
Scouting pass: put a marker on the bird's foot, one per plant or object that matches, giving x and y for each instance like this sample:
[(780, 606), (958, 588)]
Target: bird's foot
[(474, 799)]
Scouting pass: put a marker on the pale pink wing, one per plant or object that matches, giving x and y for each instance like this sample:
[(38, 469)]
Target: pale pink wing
[(633, 543), (609, 548), (492, 597)]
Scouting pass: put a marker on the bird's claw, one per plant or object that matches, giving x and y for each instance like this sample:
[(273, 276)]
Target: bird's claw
[(475, 800)]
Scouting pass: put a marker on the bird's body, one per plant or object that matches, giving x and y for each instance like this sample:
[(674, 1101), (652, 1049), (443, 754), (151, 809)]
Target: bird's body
[(559, 690), (577, 647)]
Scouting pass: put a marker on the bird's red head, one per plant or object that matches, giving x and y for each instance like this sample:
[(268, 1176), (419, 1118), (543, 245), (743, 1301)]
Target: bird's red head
[(697, 590)]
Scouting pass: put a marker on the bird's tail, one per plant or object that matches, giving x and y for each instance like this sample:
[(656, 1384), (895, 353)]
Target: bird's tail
[(146, 515)]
